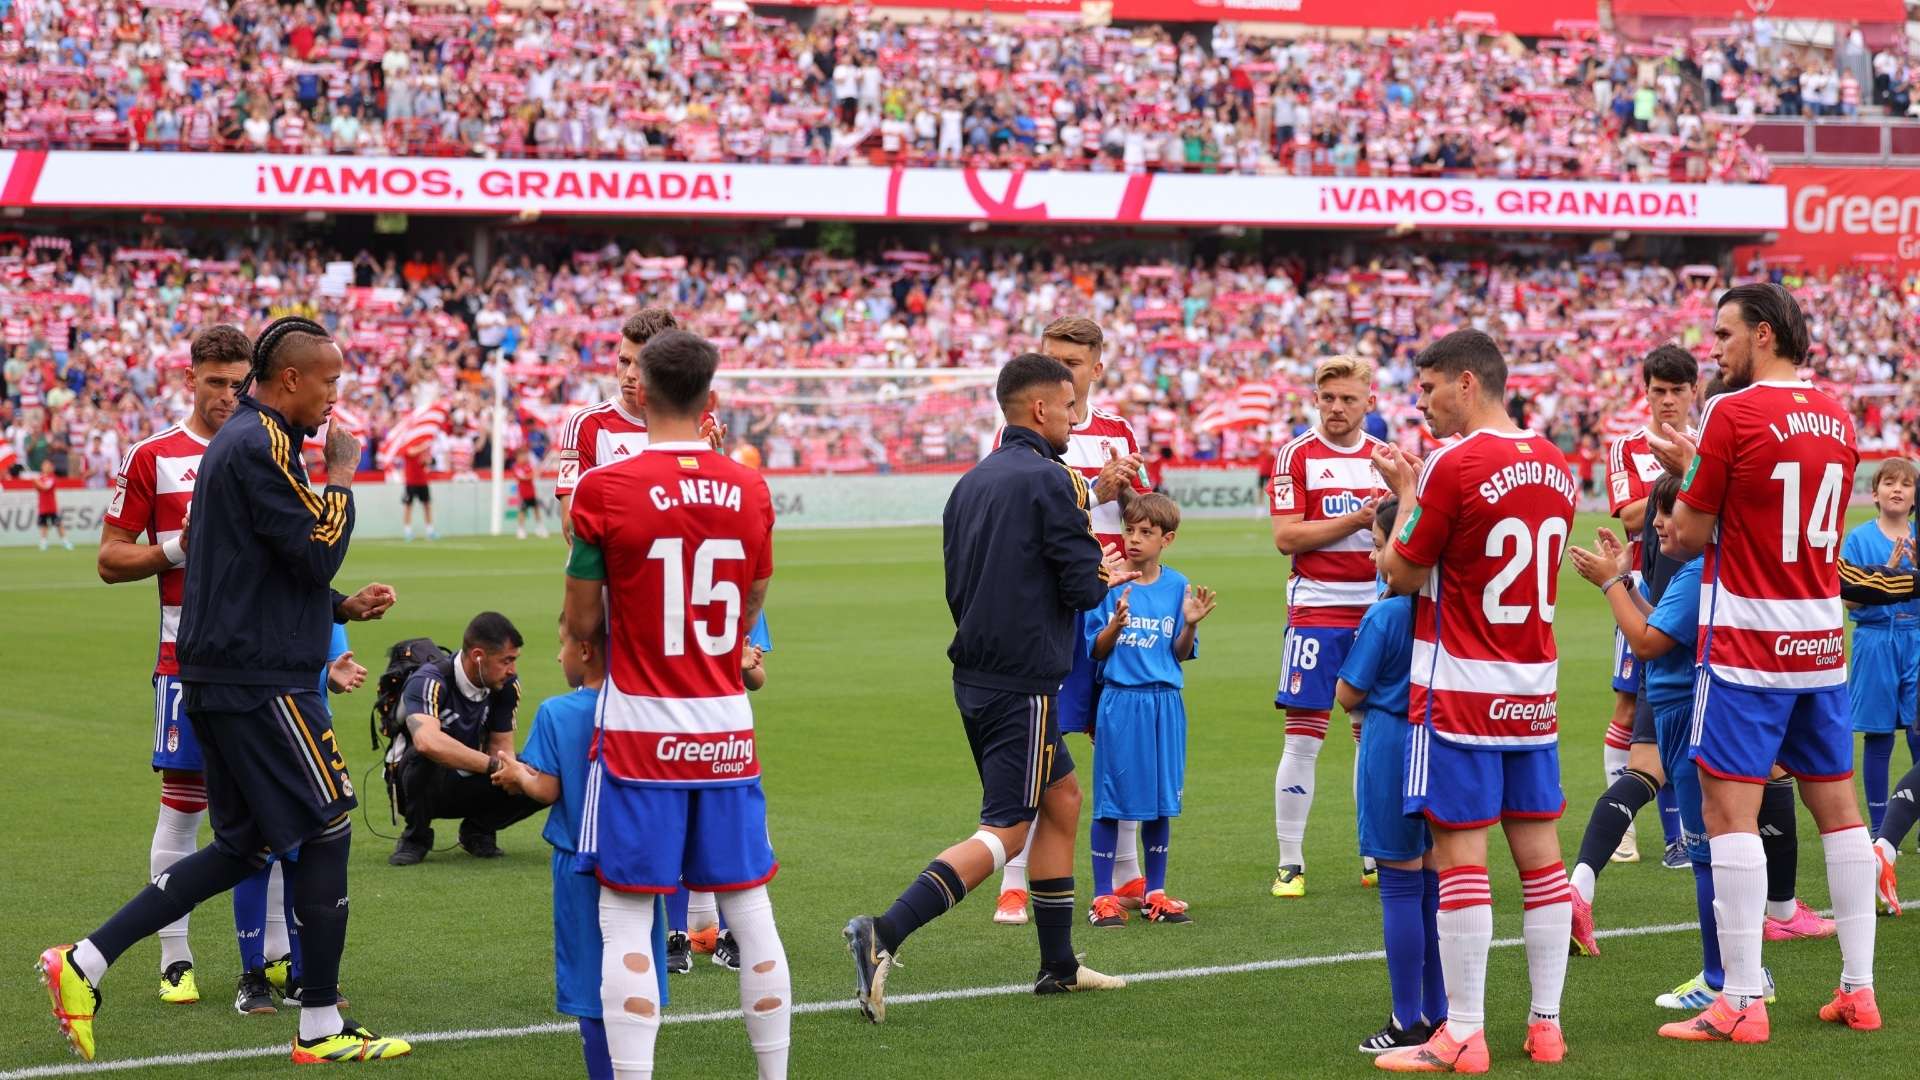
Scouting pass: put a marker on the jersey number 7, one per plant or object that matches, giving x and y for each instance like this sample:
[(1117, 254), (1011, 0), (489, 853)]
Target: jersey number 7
[(706, 590)]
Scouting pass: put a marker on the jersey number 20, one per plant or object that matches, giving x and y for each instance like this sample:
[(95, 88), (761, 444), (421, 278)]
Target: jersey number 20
[(1540, 549), (706, 590)]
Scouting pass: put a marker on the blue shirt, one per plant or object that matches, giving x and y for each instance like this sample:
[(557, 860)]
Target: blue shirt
[(1380, 664), (1867, 546), (1668, 679), (562, 735), (1142, 655)]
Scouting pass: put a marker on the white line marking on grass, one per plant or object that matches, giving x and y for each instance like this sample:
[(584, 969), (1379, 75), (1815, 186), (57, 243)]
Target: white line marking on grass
[(801, 1009)]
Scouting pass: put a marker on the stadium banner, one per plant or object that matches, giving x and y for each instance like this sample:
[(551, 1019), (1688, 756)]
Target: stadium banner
[(1838, 218), (1530, 17), (267, 182), (460, 508)]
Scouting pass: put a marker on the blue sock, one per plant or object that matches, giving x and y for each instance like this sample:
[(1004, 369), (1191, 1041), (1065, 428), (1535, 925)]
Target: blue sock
[(1710, 966), (1876, 760), (1669, 813), (1156, 836), (1102, 838), (295, 963), (720, 920), (593, 1046), (250, 920), (1433, 992), (1401, 894), (677, 910)]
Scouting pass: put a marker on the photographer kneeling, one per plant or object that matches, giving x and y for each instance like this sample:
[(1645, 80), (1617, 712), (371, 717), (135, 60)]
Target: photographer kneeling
[(459, 717)]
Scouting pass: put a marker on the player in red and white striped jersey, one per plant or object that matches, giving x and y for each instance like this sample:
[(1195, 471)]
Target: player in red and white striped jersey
[(1324, 487), (1765, 489), (1102, 448), (616, 429), (145, 536), (673, 549), (1671, 376), (1480, 537)]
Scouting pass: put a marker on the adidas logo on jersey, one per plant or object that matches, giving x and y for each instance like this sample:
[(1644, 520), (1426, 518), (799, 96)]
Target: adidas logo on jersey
[(187, 477), (620, 451)]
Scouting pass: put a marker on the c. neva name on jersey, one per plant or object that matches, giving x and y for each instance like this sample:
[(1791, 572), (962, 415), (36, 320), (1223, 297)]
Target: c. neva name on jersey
[(694, 490), (1521, 473)]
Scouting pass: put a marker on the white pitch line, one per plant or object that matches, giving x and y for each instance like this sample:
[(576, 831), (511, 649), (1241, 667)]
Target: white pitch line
[(801, 1009)]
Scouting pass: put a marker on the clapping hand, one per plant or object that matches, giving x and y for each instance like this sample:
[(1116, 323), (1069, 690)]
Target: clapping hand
[(714, 432), (344, 676), (1197, 603), (1901, 547), (1673, 449), (1607, 561), (369, 603), (1116, 474), (1399, 471), (1114, 563), (1122, 611)]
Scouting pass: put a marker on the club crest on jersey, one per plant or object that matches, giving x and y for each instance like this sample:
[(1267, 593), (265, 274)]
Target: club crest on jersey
[(1293, 684), (173, 738)]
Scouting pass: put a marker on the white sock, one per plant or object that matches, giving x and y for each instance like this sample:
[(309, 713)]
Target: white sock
[(1851, 871), (1126, 853), (1582, 881), (1892, 853), (1739, 907), (1015, 875), (1782, 909), (176, 835), (1614, 759), (1293, 796), (1466, 933), (700, 910), (319, 1021), (629, 994), (1545, 926), (766, 987), (276, 944), (92, 965)]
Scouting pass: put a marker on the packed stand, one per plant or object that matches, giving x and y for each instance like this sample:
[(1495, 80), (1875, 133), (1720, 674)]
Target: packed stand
[(1749, 69), (95, 338), (603, 81)]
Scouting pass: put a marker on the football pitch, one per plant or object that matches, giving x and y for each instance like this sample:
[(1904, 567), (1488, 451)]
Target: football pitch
[(867, 777)]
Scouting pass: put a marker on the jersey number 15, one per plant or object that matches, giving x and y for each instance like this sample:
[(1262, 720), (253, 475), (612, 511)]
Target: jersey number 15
[(677, 599)]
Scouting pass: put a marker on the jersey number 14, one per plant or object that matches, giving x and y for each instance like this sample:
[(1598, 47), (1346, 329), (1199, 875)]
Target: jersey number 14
[(1823, 520), (677, 599)]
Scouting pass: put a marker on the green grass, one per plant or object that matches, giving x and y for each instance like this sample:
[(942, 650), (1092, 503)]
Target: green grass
[(867, 776)]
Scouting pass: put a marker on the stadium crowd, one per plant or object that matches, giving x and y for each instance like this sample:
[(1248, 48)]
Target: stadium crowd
[(597, 80), (95, 338)]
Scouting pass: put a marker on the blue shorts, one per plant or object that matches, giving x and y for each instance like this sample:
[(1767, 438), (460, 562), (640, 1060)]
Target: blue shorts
[(1078, 701), (1458, 788), (1311, 666), (1380, 784), (1626, 666), (1674, 726), (1882, 685), (1140, 762), (175, 746), (1739, 733), (576, 940), (643, 838)]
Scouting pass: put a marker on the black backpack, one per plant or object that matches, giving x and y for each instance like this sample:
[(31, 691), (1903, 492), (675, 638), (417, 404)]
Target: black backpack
[(388, 719), (403, 659)]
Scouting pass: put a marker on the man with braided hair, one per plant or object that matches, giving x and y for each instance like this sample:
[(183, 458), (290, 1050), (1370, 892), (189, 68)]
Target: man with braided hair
[(257, 613)]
